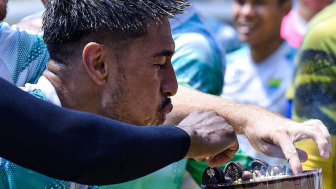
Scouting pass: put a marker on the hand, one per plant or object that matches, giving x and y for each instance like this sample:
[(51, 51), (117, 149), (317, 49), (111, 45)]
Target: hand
[(211, 136), (274, 135)]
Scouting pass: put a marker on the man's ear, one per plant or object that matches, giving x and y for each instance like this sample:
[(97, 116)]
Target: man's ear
[(286, 7), (93, 58)]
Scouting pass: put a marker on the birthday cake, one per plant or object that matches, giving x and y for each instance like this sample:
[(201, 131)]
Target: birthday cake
[(260, 176)]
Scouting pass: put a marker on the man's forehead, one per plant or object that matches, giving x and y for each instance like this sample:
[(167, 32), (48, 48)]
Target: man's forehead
[(162, 24), (161, 31), (157, 43)]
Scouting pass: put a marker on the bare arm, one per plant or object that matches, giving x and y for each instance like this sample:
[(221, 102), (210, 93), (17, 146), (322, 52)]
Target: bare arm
[(187, 100), (269, 133)]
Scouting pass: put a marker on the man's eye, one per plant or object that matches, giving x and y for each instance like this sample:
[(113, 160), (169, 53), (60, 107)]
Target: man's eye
[(241, 2), (260, 2), (160, 66)]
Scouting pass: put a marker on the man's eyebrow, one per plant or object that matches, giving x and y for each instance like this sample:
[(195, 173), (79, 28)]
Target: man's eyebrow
[(164, 53)]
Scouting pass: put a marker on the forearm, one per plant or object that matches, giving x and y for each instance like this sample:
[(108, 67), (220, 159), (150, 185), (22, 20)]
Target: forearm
[(236, 114), (79, 146)]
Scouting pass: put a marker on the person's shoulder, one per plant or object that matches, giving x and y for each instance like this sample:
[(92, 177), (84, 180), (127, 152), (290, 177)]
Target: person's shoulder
[(325, 14), (6, 28), (193, 38), (13, 31), (322, 27), (240, 55), (195, 44), (320, 37)]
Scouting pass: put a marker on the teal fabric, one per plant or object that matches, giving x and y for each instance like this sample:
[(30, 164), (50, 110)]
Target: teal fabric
[(24, 54), (198, 58), (38, 94), (13, 176), (170, 177)]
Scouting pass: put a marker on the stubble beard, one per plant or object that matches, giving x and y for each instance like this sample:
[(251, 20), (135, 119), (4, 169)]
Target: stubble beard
[(117, 110), (117, 107)]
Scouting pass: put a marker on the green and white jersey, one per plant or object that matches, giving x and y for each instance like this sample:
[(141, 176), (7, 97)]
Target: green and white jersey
[(23, 55), (198, 59)]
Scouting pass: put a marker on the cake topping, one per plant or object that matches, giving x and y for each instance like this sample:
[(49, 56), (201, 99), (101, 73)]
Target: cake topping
[(234, 172), (247, 175), (212, 175), (259, 164)]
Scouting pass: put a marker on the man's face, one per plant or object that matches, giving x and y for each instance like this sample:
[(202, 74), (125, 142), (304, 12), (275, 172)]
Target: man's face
[(257, 21), (3, 9), (316, 5), (139, 91)]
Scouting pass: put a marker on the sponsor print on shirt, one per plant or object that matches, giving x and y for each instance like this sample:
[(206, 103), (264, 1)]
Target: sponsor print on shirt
[(273, 85)]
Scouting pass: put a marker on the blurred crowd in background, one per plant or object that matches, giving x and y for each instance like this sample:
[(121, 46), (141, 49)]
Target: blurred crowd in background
[(18, 9)]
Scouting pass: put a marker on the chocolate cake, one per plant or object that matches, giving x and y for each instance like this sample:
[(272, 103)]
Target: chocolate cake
[(260, 176)]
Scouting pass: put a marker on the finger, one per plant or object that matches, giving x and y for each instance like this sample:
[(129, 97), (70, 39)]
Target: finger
[(319, 133), (276, 151), (221, 158), (322, 128), (303, 156), (324, 148), (198, 159), (217, 160), (207, 160), (291, 154)]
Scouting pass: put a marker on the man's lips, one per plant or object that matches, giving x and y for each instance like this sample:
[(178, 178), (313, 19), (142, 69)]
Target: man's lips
[(167, 109), (245, 27)]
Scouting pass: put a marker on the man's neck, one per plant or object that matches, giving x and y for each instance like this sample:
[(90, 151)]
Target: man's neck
[(262, 51), (72, 93)]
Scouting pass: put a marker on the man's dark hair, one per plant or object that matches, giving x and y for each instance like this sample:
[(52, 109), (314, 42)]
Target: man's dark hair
[(66, 23)]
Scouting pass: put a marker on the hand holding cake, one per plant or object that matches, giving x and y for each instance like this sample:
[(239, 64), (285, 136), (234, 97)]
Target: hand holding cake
[(211, 137)]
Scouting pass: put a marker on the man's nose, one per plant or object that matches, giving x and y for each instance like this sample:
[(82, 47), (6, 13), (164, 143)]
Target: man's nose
[(169, 82), (247, 9)]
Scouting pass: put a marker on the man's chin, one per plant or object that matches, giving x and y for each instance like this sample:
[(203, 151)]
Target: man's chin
[(162, 119), (158, 121)]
